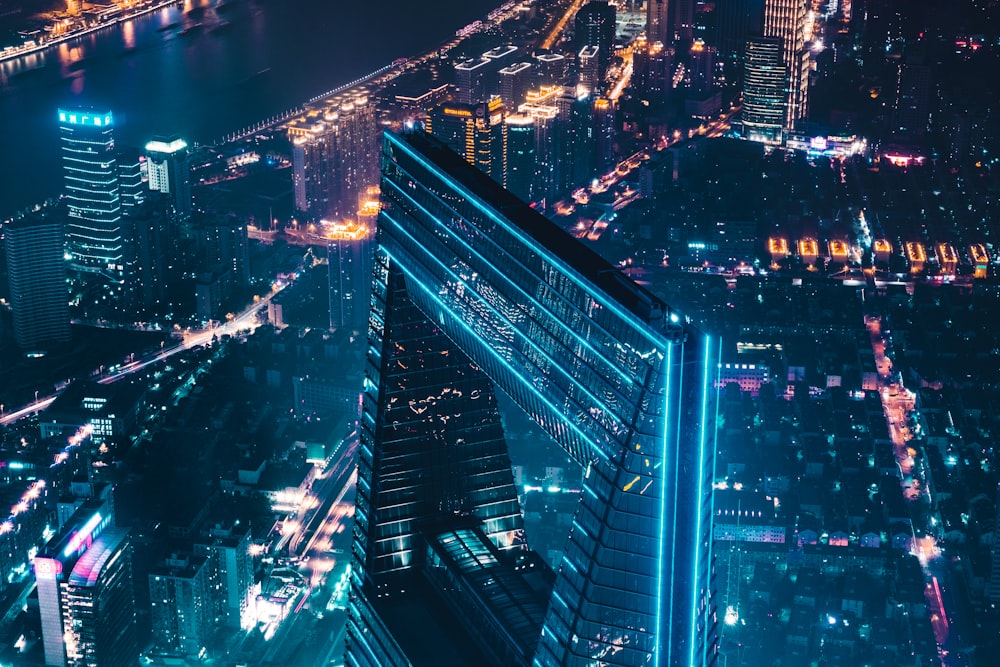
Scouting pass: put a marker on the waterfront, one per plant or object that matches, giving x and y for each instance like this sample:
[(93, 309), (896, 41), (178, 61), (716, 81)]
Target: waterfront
[(202, 70)]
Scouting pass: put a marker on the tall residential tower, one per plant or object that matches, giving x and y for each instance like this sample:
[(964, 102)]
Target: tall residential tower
[(37, 272)]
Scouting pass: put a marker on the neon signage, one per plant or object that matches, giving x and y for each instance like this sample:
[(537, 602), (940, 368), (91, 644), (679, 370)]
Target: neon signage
[(78, 538), (81, 118)]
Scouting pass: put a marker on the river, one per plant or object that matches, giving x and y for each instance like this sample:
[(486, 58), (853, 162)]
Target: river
[(203, 70)]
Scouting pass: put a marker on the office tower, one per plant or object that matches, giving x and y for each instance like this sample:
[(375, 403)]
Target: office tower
[(739, 20), (521, 156), (588, 63), (93, 233), (701, 66), (148, 229), (475, 78), (684, 19), (221, 244), (180, 596), (764, 91), (477, 132), (169, 171), (228, 549), (470, 80), (132, 189), (36, 270), (575, 141), (912, 105), (349, 258), (85, 594), (786, 20), (652, 71), (543, 114), (474, 290), (595, 26), (515, 80), (334, 155), (604, 133), (658, 22), (551, 69)]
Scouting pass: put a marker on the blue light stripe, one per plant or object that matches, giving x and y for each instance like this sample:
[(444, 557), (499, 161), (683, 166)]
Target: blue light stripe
[(527, 339), (496, 355), (583, 341), (659, 639), (641, 326), (703, 413)]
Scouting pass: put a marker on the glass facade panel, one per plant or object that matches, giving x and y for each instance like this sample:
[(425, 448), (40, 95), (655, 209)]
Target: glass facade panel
[(473, 279)]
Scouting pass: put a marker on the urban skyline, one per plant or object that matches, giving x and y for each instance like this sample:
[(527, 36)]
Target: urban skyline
[(248, 388)]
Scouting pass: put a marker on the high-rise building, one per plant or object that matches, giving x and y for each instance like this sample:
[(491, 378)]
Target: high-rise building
[(349, 257), (231, 581), (36, 270), (914, 95), (684, 19), (522, 161), (701, 59), (180, 596), (515, 80), (334, 155), (150, 258), (764, 91), (738, 21), (595, 26), (786, 20), (543, 114), (652, 71), (588, 63), (475, 291), (132, 188), (659, 24), (169, 171), (477, 132), (551, 69), (94, 231), (85, 592)]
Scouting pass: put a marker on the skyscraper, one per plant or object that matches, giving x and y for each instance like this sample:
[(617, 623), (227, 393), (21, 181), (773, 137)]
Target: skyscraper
[(94, 233), (169, 171), (181, 600), (473, 291), (764, 91), (477, 132), (786, 20), (738, 20), (595, 26), (37, 272), (85, 593), (658, 22), (334, 155), (348, 253)]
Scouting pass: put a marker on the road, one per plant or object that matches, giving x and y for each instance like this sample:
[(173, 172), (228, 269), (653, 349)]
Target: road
[(900, 405), (247, 319)]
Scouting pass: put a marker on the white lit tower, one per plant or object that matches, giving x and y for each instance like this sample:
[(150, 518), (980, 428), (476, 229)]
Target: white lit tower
[(169, 171), (786, 20)]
